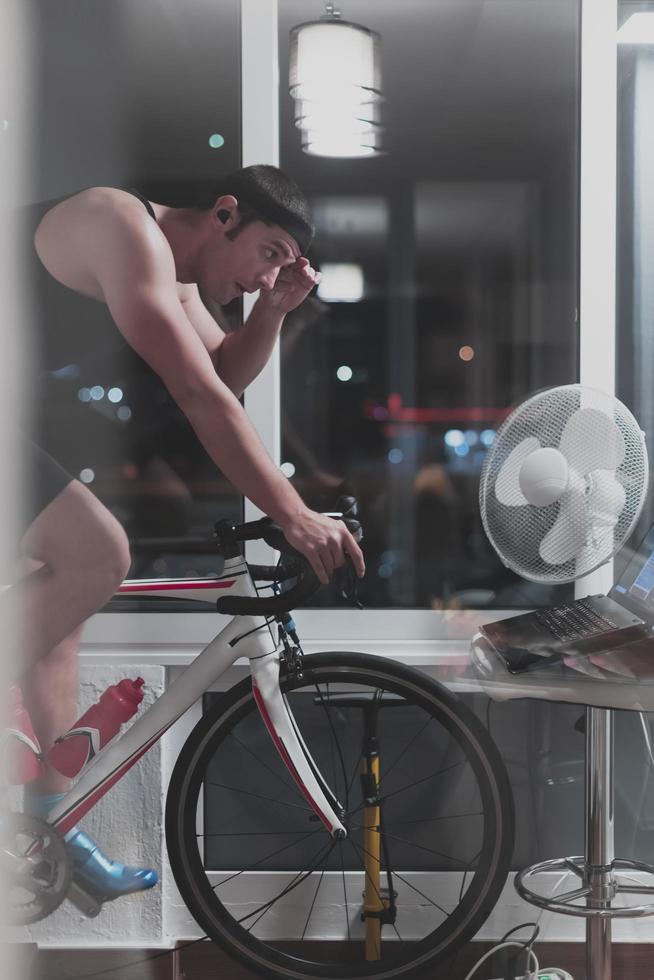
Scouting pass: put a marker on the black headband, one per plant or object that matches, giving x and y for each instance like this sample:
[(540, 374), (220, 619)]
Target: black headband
[(265, 205)]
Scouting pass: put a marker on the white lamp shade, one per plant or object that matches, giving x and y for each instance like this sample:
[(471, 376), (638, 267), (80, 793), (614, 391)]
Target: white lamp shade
[(337, 117), (334, 60), (340, 145)]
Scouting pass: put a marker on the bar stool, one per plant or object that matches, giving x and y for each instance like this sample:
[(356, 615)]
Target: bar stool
[(598, 870)]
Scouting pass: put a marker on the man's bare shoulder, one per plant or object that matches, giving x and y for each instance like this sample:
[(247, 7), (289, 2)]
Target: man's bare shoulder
[(110, 204), (80, 236)]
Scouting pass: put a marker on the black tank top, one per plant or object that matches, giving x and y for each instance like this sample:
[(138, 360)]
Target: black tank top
[(69, 330)]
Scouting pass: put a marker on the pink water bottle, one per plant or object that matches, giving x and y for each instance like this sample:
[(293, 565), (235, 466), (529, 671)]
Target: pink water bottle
[(22, 758), (96, 727)]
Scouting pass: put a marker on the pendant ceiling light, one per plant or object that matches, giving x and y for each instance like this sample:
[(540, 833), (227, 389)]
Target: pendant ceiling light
[(335, 79)]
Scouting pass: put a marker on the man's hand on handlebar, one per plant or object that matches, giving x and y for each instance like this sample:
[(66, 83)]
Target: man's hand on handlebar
[(324, 542)]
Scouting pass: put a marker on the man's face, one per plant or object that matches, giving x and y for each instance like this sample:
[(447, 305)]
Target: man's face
[(250, 261)]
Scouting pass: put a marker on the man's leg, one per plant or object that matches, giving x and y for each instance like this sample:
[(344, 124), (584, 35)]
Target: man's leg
[(83, 556), (50, 692)]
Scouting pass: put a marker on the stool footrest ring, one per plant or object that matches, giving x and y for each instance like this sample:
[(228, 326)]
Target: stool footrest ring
[(563, 902)]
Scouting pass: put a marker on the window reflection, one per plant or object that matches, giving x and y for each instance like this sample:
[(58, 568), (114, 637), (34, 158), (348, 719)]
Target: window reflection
[(635, 234), (130, 95), (466, 235)]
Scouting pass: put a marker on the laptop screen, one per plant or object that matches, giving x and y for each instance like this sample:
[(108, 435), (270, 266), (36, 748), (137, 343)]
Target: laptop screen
[(635, 587)]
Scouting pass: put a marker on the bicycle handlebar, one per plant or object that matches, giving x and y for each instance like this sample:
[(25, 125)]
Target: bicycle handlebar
[(298, 567), (307, 584)]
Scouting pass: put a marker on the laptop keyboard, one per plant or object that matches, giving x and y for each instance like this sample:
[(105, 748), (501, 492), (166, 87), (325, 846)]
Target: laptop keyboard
[(574, 621)]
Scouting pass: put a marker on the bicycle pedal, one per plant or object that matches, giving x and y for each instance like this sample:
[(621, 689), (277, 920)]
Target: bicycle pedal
[(82, 900)]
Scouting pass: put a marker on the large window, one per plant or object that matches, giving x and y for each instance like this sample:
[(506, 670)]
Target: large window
[(466, 234), (465, 231), (130, 95), (635, 230)]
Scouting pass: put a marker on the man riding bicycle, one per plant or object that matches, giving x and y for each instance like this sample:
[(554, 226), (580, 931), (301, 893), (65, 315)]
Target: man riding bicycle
[(150, 264)]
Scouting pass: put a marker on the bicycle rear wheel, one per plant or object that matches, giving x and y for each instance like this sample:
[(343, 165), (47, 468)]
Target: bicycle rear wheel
[(264, 879)]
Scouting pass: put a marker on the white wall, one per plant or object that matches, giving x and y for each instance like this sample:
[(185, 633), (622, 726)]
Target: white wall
[(127, 823)]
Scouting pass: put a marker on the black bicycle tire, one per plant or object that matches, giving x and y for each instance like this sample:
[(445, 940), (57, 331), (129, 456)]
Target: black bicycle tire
[(259, 957)]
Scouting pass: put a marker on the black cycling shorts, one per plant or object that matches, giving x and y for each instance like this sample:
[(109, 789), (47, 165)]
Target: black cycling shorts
[(43, 480)]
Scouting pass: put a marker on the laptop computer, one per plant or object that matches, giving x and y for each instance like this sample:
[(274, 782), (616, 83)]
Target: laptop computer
[(596, 624)]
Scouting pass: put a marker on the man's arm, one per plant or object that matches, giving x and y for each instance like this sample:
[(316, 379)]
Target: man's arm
[(137, 278), (240, 356), (144, 304), (244, 353)]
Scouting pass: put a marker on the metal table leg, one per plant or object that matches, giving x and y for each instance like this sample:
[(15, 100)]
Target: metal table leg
[(599, 883), (599, 845)]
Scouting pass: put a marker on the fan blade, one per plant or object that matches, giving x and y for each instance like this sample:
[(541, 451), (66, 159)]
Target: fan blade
[(568, 535), (592, 441), (507, 488), (606, 499)]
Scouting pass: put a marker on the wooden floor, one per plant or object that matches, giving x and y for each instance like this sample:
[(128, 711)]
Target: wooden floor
[(205, 961)]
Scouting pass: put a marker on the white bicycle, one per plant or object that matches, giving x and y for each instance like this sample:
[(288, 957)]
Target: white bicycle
[(361, 817)]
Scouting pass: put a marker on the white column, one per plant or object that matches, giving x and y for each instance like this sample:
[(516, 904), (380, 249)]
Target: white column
[(260, 141), (599, 24), (643, 240)]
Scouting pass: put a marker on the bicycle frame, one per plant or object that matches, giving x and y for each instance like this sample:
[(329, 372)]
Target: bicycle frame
[(243, 636)]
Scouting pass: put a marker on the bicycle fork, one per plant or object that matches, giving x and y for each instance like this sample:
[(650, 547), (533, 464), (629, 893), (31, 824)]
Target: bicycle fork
[(283, 730), (378, 902)]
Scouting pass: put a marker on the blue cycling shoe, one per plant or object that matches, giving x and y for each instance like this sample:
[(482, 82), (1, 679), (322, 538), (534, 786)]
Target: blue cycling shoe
[(104, 879), (96, 879)]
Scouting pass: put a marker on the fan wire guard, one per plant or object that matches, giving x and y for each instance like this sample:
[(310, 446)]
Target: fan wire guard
[(516, 531)]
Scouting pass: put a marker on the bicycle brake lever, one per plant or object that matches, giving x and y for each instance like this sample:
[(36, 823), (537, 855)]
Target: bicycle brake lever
[(349, 586)]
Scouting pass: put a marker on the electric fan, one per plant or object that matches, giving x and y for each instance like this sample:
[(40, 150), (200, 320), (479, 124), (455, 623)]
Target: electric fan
[(563, 483)]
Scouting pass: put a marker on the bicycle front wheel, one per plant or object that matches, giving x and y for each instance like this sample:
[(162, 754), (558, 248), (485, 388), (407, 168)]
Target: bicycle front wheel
[(426, 803)]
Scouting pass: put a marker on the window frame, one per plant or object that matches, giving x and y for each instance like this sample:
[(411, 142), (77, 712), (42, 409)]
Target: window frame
[(174, 637)]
